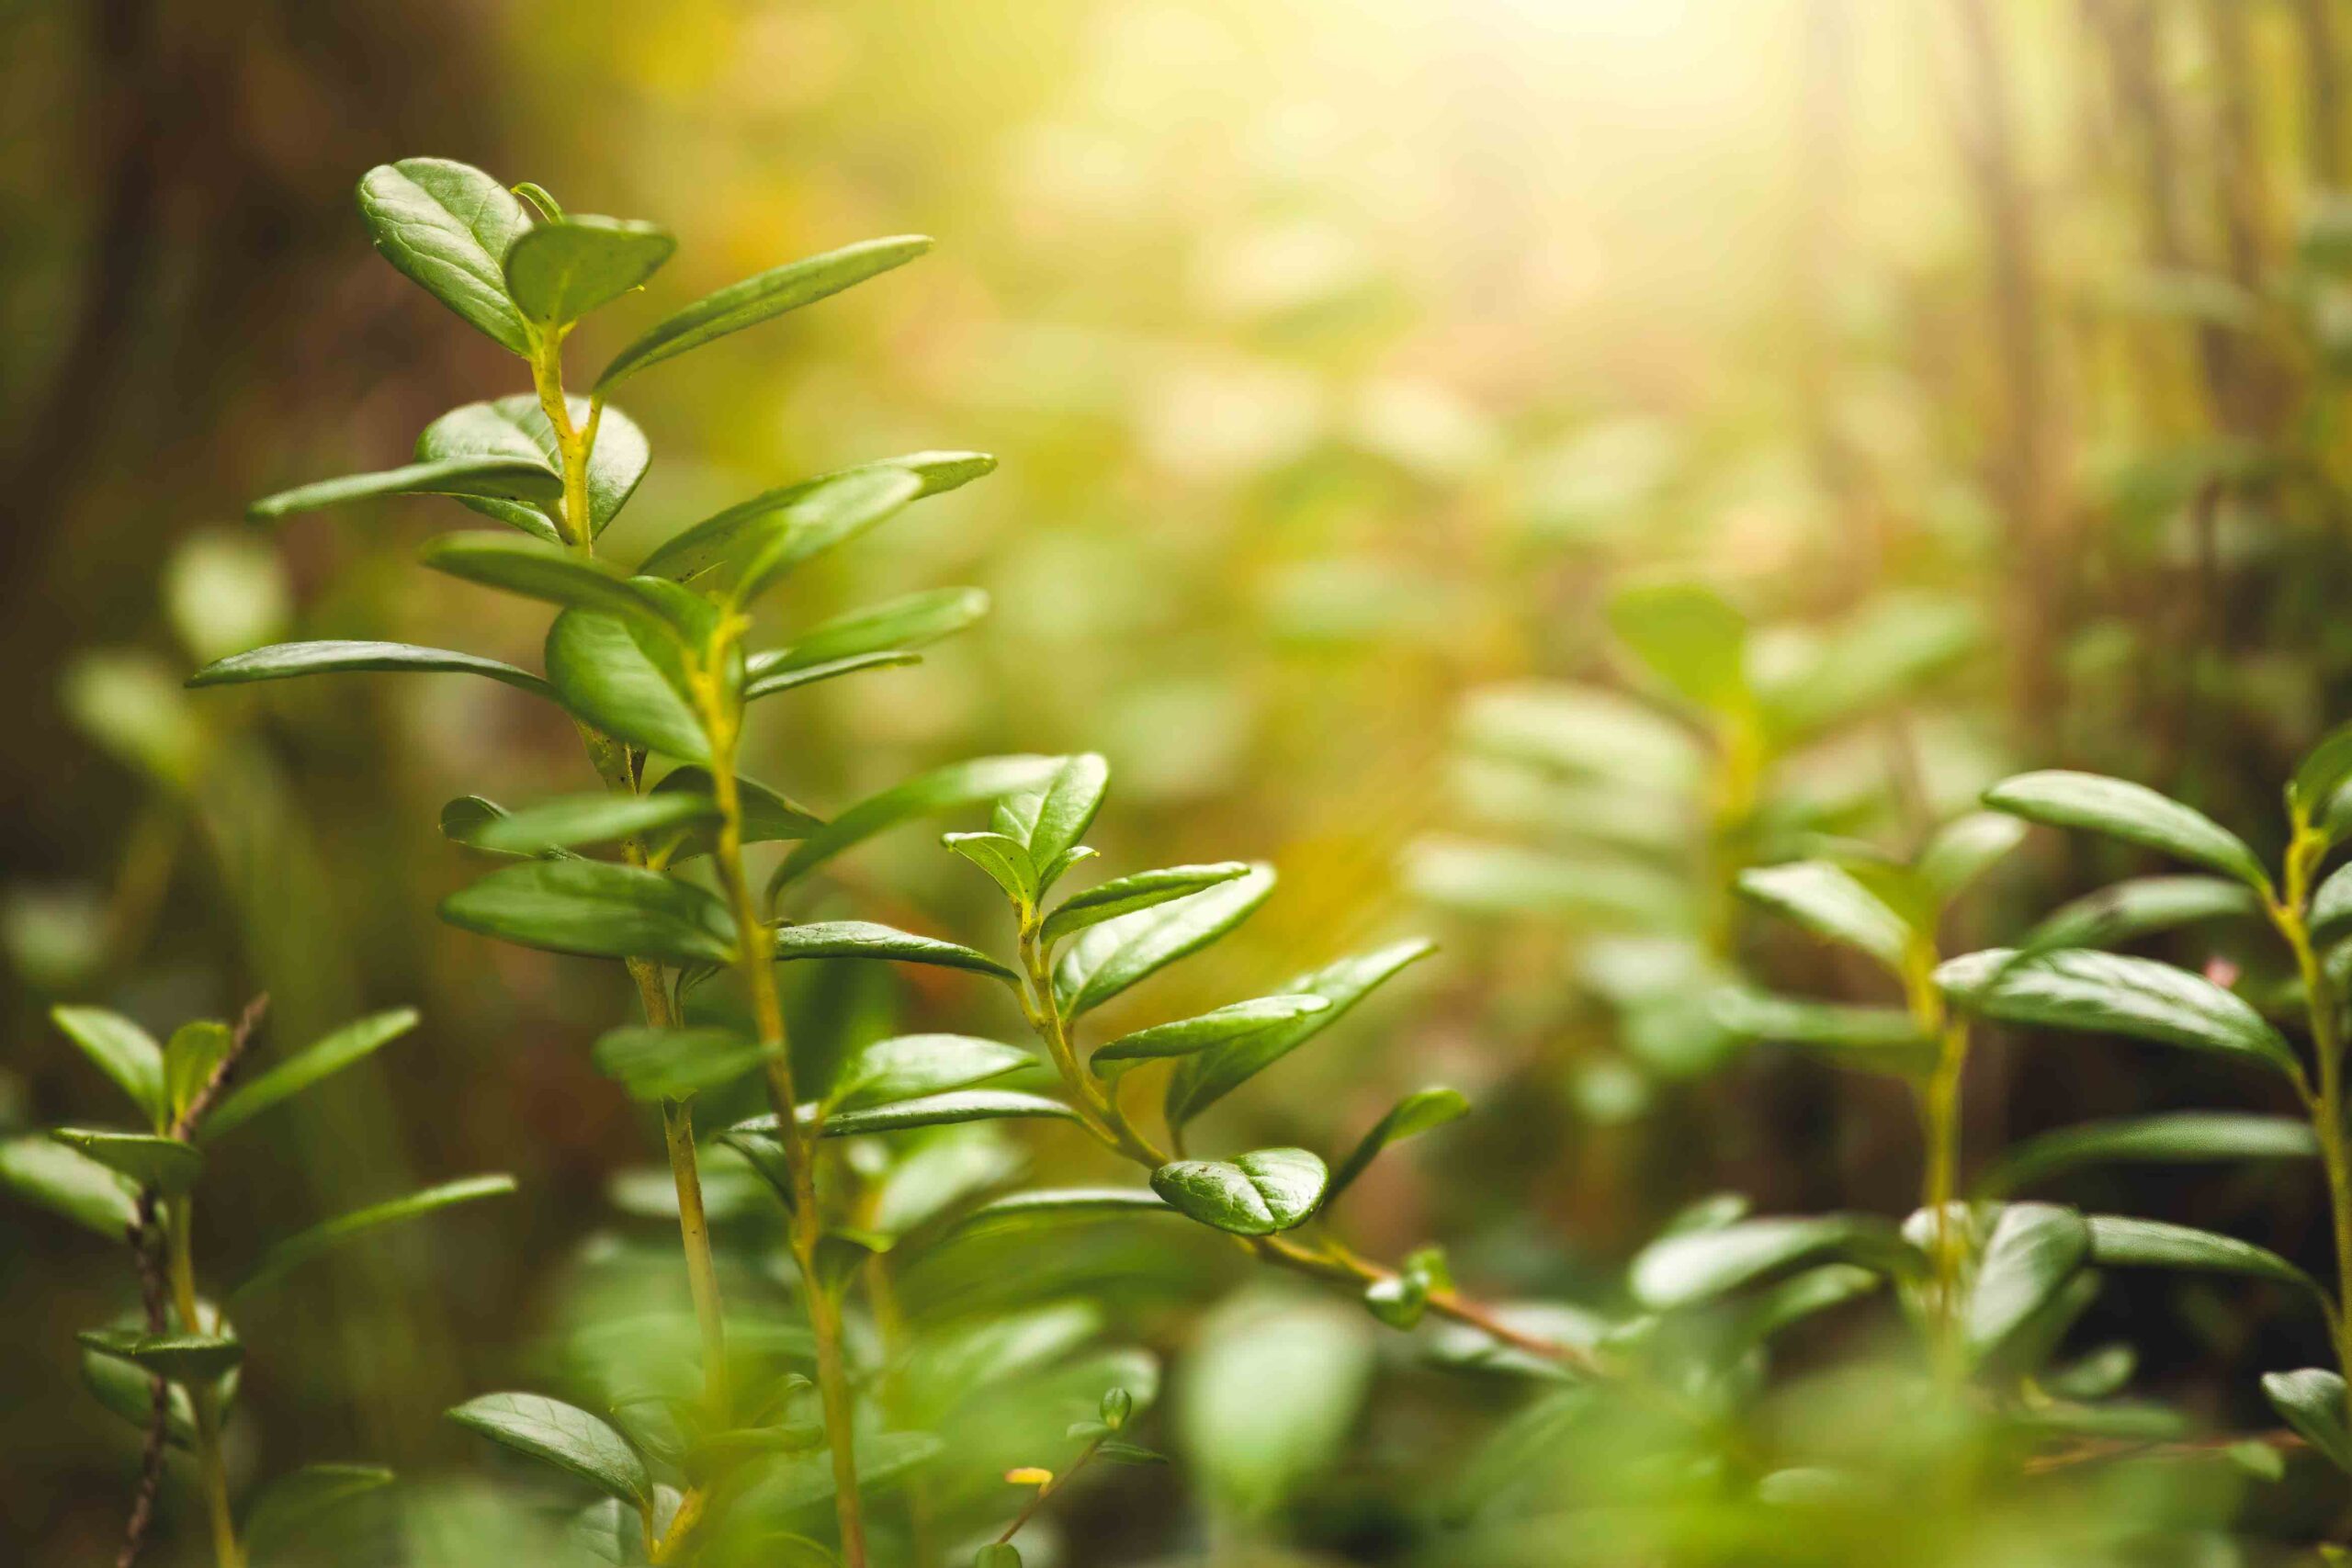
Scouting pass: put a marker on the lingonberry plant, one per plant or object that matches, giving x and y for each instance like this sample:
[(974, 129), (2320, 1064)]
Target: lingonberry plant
[(651, 664), (171, 1367)]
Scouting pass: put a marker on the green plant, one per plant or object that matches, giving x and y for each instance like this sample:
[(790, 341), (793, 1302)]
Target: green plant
[(652, 664), (172, 1367), (2064, 978)]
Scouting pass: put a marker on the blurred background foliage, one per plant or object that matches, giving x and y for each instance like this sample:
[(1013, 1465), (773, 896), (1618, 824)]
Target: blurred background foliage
[(1346, 363)]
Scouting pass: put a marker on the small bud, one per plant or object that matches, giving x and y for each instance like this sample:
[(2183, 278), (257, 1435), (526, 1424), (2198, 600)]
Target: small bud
[(1029, 1475), (1117, 1405)]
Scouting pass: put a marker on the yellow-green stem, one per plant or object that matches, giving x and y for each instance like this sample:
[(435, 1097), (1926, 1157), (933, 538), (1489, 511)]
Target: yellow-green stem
[(2326, 1098), (211, 1465), (1939, 1122), (616, 766), (757, 965)]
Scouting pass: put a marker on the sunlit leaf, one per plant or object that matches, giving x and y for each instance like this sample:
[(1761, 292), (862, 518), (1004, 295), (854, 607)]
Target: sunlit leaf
[(1877, 1039), (1830, 902), (447, 225), (756, 298), (1003, 858), (1258, 1193), (600, 817), (951, 788), (284, 661), (518, 427), (2312, 1401), (1208, 1075), (1687, 636), (726, 535), (907, 1067), (2132, 812), (1139, 890), (1420, 1111), (916, 620), (2107, 993), (864, 938), (2032, 1250), (1119, 953), (1060, 1204), (830, 515), (774, 678), (628, 679), (537, 569), (1965, 848), (1186, 1035), (1682, 1270)]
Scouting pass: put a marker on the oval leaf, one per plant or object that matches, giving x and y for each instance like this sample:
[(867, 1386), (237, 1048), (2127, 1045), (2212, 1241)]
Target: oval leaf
[(2143, 905), (2120, 1242), (558, 272), (149, 1159), (626, 679), (2033, 1251), (1258, 1193), (864, 938), (2174, 1138), (447, 225), (590, 818), (508, 479), (1125, 895), (755, 299), (1829, 901), (43, 1171), (564, 1435), (1186, 1035), (518, 427), (2312, 1403), (179, 1358), (1698, 1266), (2132, 812), (909, 1066), (123, 1051)]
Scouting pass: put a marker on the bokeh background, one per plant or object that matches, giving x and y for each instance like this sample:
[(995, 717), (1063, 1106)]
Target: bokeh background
[(1341, 358)]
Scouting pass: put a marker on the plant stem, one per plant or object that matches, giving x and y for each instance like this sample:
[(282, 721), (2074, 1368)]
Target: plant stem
[(619, 768), (2326, 1099), (1030, 1509), (757, 966), (1099, 1112), (1940, 1135), (211, 1464)]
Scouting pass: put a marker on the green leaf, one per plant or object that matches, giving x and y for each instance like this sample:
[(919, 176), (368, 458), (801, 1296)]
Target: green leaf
[(168, 1165), (518, 427), (827, 516), (537, 569), (128, 1394), (2107, 992), (1422, 1111), (864, 938), (564, 1435), (1965, 848), (1680, 1270), (951, 788), (1831, 903), (510, 480), (123, 1050), (932, 1110), (1186, 1035), (997, 1555), (2331, 908), (597, 909), (291, 1077), (729, 535), (1055, 817), (2126, 911), (2312, 1401), (1879, 1039), (1117, 1452), (1688, 636), (2321, 776), (756, 298), (558, 272), (190, 1057), (1208, 1075), (1141, 890), (283, 1257), (595, 818), (770, 679), (628, 679), (1119, 953), (1258, 1193), (2132, 812), (2172, 1137), (284, 661), (916, 620), (41, 1170), (909, 1065), (1004, 860), (2034, 1248), (767, 816), (1054, 1204), (178, 1358), (542, 201), (2120, 1242), (447, 225), (290, 1505), (658, 1064)]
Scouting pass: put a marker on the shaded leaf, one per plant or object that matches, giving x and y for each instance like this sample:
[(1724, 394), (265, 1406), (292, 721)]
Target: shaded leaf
[(936, 1110), (290, 1254), (1422, 1111), (537, 569), (658, 1064), (2033, 1251), (756, 298), (1258, 1193), (2125, 911), (41, 1171), (2120, 1242), (510, 480), (518, 427), (628, 680), (337, 1051), (284, 661), (290, 1506), (909, 1065), (149, 1159), (767, 816), (1830, 902), (564, 1435), (597, 909), (595, 818), (557, 272), (1965, 848), (2179, 1137), (181, 1357), (2132, 812), (123, 1051), (2312, 1401), (1697, 1266)]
